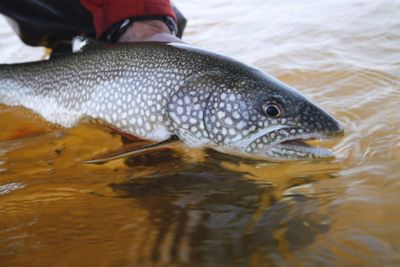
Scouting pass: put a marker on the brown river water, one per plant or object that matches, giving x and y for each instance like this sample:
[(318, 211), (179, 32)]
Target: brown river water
[(182, 207)]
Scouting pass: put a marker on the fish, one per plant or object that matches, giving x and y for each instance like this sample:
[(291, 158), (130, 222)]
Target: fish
[(156, 91)]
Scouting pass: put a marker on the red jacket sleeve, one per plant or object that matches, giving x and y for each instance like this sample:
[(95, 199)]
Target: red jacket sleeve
[(108, 12)]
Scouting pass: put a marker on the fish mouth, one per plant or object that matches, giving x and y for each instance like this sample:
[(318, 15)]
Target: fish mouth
[(281, 144)]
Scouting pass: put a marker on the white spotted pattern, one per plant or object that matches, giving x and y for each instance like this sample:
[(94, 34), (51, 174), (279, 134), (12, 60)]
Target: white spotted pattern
[(156, 90)]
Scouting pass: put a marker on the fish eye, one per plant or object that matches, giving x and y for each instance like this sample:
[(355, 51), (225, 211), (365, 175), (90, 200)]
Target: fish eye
[(272, 110)]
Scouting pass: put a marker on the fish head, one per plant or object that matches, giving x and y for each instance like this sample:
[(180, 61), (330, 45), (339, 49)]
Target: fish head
[(263, 117), (246, 111)]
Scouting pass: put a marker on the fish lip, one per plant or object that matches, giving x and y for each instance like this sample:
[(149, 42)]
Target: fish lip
[(303, 137), (309, 151), (296, 151)]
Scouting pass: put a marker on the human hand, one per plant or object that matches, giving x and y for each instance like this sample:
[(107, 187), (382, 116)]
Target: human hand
[(149, 31)]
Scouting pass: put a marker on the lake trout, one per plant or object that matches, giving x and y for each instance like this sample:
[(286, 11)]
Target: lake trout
[(156, 90)]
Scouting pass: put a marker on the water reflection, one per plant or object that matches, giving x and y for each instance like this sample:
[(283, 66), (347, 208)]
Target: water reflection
[(205, 213)]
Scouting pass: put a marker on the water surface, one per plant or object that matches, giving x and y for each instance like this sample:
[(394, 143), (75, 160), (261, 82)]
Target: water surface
[(180, 207)]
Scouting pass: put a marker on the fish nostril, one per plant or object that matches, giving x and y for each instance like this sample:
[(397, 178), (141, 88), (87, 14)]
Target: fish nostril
[(314, 118)]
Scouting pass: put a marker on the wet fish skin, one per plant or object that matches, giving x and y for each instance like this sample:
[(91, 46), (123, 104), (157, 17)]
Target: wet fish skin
[(155, 90)]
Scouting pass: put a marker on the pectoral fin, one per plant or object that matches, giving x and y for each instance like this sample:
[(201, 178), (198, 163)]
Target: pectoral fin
[(136, 148)]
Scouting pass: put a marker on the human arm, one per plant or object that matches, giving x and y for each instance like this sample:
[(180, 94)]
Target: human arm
[(108, 13)]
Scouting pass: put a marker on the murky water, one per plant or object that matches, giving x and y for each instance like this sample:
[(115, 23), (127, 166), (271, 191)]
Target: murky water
[(180, 207)]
